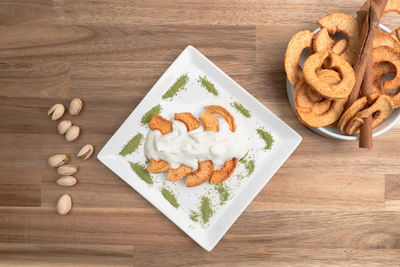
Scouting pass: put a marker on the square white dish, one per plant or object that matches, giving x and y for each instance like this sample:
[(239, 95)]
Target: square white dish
[(243, 189)]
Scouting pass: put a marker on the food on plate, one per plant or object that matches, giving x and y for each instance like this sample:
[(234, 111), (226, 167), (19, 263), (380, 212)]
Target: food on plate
[(201, 175), (339, 90), (185, 149), (239, 107), (188, 119), (329, 88), (132, 145), (209, 86), (215, 109), (178, 86), (297, 44), (159, 123), (224, 173), (157, 166), (210, 123), (170, 197), (149, 114), (141, 172), (269, 141)]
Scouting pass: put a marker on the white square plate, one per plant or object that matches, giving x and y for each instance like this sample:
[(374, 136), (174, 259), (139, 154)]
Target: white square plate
[(243, 188)]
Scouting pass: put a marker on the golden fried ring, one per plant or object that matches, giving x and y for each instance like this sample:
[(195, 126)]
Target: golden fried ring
[(215, 109), (188, 119), (386, 39), (224, 173), (304, 103), (341, 22), (358, 105), (308, 116), (339, 90), (392, 6), (297, 44), (201, 175), (322, 41), (387, 54), (160, 123), (327, 76), (178, 173), (380, 110), (339, 47)]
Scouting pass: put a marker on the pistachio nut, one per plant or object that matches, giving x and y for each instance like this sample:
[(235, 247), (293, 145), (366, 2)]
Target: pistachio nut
[(75, 106), (85, 152), (63, 126), (64, 204), (72, 133), (66, 181), (56, 112), (68, 169), (57, 160)]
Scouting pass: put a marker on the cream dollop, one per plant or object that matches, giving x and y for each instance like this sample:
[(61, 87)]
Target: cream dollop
[(188, 148)]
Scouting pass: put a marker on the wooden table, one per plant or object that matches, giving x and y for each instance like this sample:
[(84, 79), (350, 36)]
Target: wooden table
[(330, 203)]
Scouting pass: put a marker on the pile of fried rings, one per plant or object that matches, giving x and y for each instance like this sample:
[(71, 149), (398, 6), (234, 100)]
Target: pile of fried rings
[(324, 82)]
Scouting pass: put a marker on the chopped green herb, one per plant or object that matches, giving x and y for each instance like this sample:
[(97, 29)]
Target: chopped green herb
[(176, 87), (243, 159), (132, 145), (149, 114), (239, 107), (168, 195), (223, 192), (205, 209), (141, 172), (267, 137), (208, 85), (194, 216)]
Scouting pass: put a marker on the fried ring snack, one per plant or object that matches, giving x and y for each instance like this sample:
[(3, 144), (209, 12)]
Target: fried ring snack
[(308, 116), (218, 176), (201, 175), (387, 54), (339, 47), (322, 41), (380, 110), (351, 112), (215, 109), (210, 123), (327, 76), (188, 119), (339, 90), (160, 123), (341, 22), (297, 44), (157, 166), (392, 6), (386, 39), (304, 103), (178, 173)]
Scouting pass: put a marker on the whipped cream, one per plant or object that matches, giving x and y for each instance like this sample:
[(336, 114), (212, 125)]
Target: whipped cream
[(188, 148)]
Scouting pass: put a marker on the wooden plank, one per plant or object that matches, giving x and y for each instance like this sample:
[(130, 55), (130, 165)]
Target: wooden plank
[(123, 42), (65, 255), (35, 80), (25, 12)]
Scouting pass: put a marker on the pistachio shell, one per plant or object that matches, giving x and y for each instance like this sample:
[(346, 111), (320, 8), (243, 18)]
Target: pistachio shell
[(75, 106), (58, 160), (72, 133), (85, 152), (64, 204), (56, 112), (66, 181), (68, 169), (63, 126)]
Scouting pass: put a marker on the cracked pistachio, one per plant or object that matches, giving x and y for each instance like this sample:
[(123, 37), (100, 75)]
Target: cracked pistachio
[(63, 126), (85, 152), (64, 204), (68, 169), (56, 112), (72, 133), (66, 181), (75, 106), (58, 160)]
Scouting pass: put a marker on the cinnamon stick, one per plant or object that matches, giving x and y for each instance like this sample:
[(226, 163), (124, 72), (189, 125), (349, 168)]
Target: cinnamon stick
[(368, 18)]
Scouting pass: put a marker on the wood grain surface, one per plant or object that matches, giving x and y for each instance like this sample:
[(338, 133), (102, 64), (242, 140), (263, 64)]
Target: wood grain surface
[(330, 203)]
